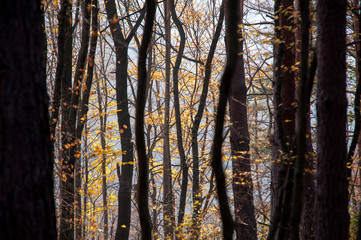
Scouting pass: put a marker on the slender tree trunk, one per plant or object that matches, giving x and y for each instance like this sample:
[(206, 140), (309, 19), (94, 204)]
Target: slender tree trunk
[(182, 155), (121, 51), (246, 228), (308, 223), (198, 118), (302, 123), (284, 128), (232, 18), (27, 208), (78, 80), (103, 122), (86, 173), (143, 161), (332, 193), (168, 210), (77, 204), (66, 226)]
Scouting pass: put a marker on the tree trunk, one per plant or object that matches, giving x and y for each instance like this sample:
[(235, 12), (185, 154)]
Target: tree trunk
[(308, 223), (182, 155), (231, 9), (284, 127), (302, 155), (332, 193), (66, 226), (246, 228), (103, 123), (168, 210), (143, 163), (121, 52), (27, 207)]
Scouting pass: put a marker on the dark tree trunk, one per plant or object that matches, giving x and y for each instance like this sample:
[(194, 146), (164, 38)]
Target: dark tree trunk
[(27, 208), (66, 226), (284, 128), (143, 163), (121, 51), (246, 228), (303, 157), (231, 9), (332, 193), (308, 223), (182, 155), (168, 209), (78, 80)]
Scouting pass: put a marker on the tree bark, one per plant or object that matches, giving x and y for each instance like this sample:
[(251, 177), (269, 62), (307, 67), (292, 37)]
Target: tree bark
[(27, 207), (246, 228), (332, 193)]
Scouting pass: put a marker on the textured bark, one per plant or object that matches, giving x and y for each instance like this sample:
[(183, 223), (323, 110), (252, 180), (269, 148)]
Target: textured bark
[(332, 193), (246, 228), (143, 161), (27, 208)]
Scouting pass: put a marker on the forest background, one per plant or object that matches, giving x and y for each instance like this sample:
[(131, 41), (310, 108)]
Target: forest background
[(138, 95)]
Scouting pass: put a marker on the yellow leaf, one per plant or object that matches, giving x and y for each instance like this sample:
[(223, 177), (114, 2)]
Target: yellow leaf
[(115, 19)]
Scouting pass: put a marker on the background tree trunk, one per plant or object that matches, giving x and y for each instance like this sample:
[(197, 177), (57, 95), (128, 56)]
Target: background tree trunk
[(121, 51), (168, 210)]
